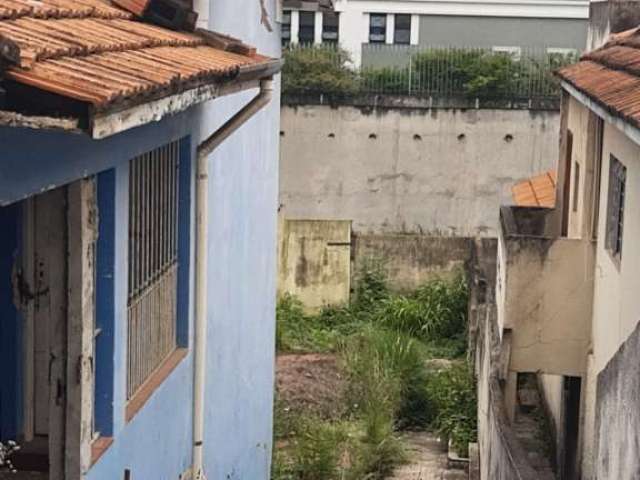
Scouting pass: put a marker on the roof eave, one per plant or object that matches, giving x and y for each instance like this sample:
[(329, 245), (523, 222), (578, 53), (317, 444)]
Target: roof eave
[(108, 123), (630, 128)]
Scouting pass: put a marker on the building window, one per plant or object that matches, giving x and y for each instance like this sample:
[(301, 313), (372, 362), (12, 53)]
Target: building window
[(576, 186), (377, 28), (286, 27), (330, 27), (402, 32), (153, 262), (615, 210), (307, 32), (513, 52)]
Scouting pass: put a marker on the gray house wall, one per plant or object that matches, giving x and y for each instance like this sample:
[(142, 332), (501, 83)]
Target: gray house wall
[(502, 31), (531, 34)]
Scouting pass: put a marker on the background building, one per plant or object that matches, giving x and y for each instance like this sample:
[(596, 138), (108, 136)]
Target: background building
[(364, 28)]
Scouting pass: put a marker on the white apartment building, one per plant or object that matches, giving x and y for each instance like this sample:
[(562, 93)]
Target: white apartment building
[(360, 26)]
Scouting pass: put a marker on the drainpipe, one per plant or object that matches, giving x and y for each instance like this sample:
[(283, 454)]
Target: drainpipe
[(202, 213)]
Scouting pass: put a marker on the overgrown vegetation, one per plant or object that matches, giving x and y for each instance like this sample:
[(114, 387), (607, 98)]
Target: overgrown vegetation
[(384, 342), (318, 70), (476, 73)]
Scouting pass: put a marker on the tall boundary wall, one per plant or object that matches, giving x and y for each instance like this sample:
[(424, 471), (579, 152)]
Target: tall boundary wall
[(409, 169)]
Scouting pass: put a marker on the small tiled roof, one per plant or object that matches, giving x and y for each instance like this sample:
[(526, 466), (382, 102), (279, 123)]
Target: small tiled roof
[(95, 52), (611, 75), (539, 191)]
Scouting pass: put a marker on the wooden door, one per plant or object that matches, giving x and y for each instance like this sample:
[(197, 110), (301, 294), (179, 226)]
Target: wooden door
[(45, 312)]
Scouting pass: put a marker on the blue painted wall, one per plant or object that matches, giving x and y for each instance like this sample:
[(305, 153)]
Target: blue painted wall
[(10, 352), (156, 444), (242, 266)]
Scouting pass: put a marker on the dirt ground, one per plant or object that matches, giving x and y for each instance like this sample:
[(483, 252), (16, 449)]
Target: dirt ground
[(311, 383)]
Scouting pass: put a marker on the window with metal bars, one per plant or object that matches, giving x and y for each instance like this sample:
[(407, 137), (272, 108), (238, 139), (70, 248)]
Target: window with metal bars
[(153, 262), (615, 210)]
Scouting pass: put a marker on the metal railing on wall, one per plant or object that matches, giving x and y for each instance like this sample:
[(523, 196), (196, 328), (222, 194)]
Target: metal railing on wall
[(426, 72), (153, 262)]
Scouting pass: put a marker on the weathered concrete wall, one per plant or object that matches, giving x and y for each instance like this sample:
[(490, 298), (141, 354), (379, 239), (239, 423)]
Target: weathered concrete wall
[(609, 17), (315, 261), (551, 388), (618, 414), (501, 455), (549, 286), (411, 260), (399, 170)]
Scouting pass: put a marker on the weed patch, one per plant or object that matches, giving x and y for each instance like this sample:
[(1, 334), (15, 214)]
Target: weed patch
[(383, 342)]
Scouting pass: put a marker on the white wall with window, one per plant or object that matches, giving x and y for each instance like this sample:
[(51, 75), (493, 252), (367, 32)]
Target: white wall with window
[(359, 17), (310, 27), (617, 283)]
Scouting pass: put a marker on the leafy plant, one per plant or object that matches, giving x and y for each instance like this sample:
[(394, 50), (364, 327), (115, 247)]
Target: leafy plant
[(453, 393), (387, 371), (371, 285), (298, 332), (319, 70)]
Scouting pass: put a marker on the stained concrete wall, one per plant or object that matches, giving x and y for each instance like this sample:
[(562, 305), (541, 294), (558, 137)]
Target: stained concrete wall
[(315, 262), (410, 170), (607, 17), (549, 286), (618, 414), (501, 455), (411, 260)]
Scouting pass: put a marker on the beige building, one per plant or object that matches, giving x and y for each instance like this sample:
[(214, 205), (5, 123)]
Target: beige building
[(568, 278)]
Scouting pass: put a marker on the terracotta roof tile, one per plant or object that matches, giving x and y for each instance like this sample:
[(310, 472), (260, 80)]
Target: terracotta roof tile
[(92, 51), (539, 191), (611, 75)]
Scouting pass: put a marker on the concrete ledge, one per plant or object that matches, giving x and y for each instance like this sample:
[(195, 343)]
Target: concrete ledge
[(460, 102)]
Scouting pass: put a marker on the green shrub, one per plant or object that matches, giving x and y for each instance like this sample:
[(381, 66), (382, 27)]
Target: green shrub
[(371, 285), (452, 392), (387, 372), (318, 70), (297, 332), (319, 449), (445, 306), (435, 313)]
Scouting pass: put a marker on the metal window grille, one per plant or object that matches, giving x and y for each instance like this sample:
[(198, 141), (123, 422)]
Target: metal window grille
[(615, 214), (153, 262)]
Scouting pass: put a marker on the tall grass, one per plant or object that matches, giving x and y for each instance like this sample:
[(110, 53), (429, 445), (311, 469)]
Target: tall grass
[(383, 340)]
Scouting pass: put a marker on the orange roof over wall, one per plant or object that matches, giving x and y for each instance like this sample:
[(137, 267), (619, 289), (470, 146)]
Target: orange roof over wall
[(95, 52), (611, 75), (539, 191)]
